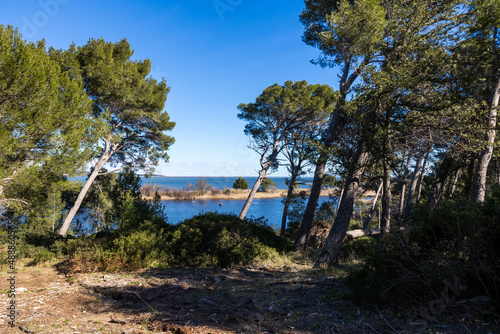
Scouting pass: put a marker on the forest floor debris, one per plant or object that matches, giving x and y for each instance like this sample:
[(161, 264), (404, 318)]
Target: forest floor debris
[(251, 299)]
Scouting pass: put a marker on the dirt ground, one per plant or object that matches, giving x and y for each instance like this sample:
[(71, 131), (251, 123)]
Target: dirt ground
[(255, 299)]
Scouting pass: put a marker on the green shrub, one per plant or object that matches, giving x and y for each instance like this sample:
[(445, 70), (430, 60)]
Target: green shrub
[(42, 255), (240, 183), (225, 240)]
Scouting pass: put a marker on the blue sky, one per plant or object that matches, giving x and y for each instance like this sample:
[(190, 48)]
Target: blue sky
[(214, 55)]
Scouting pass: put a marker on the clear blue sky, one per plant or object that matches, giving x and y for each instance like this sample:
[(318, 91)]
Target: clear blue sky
[(214, 55)]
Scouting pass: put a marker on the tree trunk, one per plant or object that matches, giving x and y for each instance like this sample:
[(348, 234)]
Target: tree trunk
[(72, 213), (353, 234), (330, 253), (413, 187), (454, 184), (339, 200), (372, 209), (246, 207), (489, 138), (319, 173), (385, 222), (312, 202), (421, 180), (438, 186), (403, 188), (288, 199), (346, 82)]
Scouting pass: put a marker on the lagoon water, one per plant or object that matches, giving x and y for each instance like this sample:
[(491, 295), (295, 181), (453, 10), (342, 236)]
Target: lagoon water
[(269, 208), (177, 211)]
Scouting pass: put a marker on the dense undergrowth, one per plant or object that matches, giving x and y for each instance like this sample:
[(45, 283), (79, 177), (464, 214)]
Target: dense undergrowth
[(205, 240), (449, 252)]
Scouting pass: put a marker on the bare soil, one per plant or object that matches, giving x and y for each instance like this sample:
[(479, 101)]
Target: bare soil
[(254, 299)]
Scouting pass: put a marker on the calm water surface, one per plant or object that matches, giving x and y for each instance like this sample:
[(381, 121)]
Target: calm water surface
[(269, 208), (177, 211)]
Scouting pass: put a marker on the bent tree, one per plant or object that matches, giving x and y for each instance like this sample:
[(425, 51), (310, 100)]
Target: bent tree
[(127, 103), (277, 113)]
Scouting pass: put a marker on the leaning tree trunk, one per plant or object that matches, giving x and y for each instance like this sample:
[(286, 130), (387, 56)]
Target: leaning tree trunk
[(454, 184), (331, 250), (413, 187), (489, 138), (288, 199), (438, 185), (319, 173), (339, 200), (72, 213), (312, 202), (372, 209), (421, 180), (246, 207), (346, 81)]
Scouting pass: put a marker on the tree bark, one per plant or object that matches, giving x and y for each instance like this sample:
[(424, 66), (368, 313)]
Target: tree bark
[(72, 213), (413, 187), (330, 253), (372, 209), (489, 138)]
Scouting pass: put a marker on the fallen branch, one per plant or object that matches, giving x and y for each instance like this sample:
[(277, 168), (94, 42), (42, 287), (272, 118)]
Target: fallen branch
[(351, 235)]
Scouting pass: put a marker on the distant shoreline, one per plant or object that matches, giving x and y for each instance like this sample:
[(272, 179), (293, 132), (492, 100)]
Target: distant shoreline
[(239, 194)]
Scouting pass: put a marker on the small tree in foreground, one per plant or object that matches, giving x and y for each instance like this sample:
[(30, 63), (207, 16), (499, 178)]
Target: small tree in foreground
[(240, 183)]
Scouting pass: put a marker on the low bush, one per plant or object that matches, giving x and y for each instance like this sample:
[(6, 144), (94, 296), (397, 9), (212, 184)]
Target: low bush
[(42, 255), (240, 183), (225, 240), (456, 241), (203, 241)]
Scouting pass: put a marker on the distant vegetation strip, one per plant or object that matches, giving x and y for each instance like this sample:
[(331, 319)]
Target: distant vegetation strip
[(168, 193)]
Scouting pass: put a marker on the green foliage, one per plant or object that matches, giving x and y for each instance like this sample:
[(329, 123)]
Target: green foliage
[(240, 183), (455, 240), (266, 184), (42, 255), (357, 27), (203, 241), (44, 125), (225, 240), (128, 103)]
